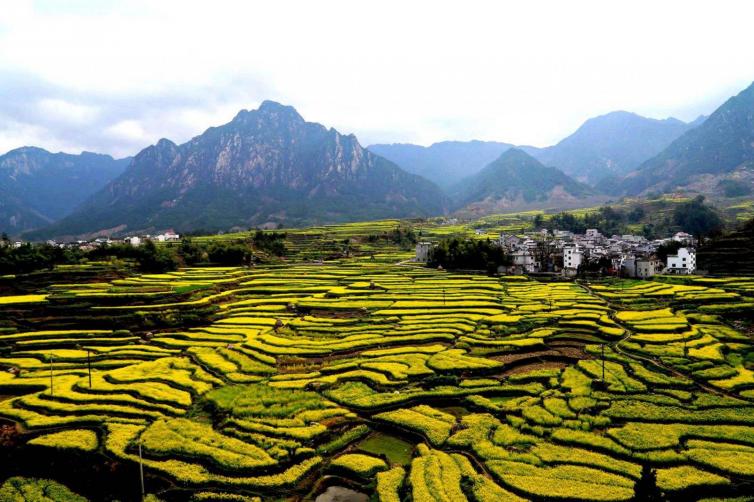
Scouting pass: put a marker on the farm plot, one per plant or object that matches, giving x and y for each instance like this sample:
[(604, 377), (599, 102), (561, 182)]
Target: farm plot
[(262, 382)]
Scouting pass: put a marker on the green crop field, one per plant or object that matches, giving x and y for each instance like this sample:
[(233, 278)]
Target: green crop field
[(377, 376)]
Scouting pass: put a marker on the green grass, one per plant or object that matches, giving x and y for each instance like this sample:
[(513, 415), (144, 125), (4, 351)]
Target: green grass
[(395, 449)]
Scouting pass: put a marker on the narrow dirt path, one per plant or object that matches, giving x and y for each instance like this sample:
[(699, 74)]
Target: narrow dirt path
[(655, 361)]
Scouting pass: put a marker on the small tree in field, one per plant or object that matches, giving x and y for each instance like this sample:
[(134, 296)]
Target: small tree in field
[(645, 489)]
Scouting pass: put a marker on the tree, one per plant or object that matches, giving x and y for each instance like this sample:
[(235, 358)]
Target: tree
[(152, 258), (670, 247), (191, 252), (645, 489), (468, 254), (269, 242), (636, 214), (230, 253), (544, 253), (538, 221), (698, 218)]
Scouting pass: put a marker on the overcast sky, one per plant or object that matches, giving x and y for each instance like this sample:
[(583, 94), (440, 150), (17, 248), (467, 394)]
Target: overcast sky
[(115, 77)]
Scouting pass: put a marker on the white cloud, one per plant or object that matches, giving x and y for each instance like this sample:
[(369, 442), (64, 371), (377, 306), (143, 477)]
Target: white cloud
[(16, 134), (127, 130), (66, 112), (523, 72)]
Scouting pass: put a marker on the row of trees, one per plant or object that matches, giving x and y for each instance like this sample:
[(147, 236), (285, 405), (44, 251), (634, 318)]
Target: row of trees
[(468, 254), (607, 220), (148, 257), (693, 216), (29, 257), (403, 236)]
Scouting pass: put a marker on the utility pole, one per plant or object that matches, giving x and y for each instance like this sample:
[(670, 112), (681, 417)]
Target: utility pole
[(89, 365), (51, 382), (443, 296), (141, 472), (603, 362)]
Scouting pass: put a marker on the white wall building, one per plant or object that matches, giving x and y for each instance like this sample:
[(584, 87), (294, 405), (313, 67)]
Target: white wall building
[(640, 267), (134, 241), (647, 267), (572, 257), (593, 233), (422, 251), (525, 260), (682, 263), (168, 237), (683, 237)]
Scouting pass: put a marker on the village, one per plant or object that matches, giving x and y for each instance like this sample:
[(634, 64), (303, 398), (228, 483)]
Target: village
[(559, 252), (88, 245), (568, 254)]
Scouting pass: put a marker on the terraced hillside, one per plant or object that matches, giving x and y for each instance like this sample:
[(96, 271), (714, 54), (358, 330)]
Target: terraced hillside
[(362, 377)]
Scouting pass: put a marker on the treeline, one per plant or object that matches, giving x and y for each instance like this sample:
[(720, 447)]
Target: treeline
[(693, 216), (149, 257), (607, 220), (28, 257), (468, 254), (403, 236)]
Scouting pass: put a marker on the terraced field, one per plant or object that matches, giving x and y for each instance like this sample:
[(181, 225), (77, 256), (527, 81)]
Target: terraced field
[(375, 379)]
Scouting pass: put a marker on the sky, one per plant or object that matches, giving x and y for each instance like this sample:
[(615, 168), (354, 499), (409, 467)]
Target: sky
[(115, 77)]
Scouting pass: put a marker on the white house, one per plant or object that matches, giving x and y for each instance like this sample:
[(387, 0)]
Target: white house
[(593, 233), (524, 260), (168, 236), (134, 241), (563, 234), (422, 251), (647, 267), (572, 257), (683, 237), (682, 263), (640, 267), (509, 241)]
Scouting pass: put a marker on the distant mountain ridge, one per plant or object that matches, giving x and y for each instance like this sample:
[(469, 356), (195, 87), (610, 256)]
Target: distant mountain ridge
[(265, 166), (610, 145), (516, 180), (719, 150), (604, 147), (444, 163), (38, 187)]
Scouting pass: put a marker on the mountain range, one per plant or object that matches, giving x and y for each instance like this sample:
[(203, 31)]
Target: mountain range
[(606, 146), (38, 187), (717, 154), (610, 145), (516, 180), (266, 166), (445, 163), (270, 167)]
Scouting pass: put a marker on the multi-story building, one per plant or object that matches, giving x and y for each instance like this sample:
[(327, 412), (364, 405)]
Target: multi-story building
[(684, 262)]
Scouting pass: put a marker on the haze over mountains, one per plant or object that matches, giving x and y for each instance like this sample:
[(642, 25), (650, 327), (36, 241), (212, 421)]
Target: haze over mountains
[(610, 145), (716, 154), (38, 187), (603, 147), (446, 163), (271, 167), (517, 180)]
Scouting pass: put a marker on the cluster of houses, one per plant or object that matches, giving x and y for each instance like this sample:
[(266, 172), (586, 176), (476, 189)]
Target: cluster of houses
[(566, 253), (168, 236), (135, 241)]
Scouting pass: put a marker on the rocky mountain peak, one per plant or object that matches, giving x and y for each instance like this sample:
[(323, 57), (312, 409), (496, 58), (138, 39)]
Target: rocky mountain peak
[(266, 165)]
